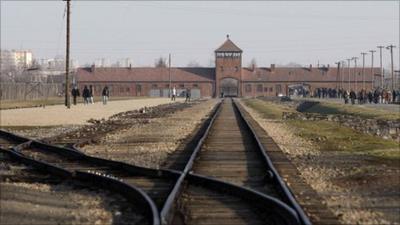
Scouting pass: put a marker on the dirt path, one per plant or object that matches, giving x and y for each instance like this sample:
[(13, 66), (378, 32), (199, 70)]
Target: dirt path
[(79, 114)]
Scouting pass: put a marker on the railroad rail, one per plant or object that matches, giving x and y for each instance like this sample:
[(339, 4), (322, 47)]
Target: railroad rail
[(226, 178)]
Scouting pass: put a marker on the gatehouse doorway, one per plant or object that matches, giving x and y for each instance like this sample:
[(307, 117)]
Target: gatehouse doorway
[(229, 87)]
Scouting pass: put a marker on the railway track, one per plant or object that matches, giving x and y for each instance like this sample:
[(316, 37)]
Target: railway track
[(230, 155), (222, 176), (56, 200)]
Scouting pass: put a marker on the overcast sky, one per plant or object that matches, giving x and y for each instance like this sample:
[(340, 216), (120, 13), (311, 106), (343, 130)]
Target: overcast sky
[(269, 31)]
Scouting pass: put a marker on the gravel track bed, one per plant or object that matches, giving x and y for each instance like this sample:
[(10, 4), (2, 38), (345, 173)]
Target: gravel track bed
[(149, 144), (355, 187), (30, 197), (42, 132)]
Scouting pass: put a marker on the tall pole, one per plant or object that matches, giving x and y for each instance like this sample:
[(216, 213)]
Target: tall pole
[(169, 74), (338, 75), (355, 73), (348, 66), (380, 57), (342, 72), (372, 68), (67, 100), (390, 47), (363, 69)]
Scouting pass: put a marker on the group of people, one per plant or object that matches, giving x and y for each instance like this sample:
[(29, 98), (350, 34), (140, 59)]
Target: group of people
[(327, 93), (88, 93), (363, 96), (187, 94), (373, 96)]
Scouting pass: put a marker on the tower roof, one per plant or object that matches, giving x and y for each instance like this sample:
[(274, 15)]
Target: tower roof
[(228, 46)]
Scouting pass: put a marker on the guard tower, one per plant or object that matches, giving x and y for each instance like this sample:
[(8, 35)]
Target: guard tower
[(228, 69)]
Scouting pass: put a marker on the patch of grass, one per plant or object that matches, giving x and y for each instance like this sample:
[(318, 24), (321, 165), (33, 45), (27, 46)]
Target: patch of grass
[(356, 110), (11, 104), (330, 136), (268, 110)]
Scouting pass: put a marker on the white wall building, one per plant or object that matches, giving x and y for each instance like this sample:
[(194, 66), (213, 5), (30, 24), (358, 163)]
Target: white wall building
[(23, 58), (16, 59)]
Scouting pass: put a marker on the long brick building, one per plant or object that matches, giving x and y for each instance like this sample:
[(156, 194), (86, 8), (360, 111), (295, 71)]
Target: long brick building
[(228, 76)]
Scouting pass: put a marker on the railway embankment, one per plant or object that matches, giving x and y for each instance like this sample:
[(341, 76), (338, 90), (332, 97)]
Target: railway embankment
[(385, 128), (368, 121), (357, 174)]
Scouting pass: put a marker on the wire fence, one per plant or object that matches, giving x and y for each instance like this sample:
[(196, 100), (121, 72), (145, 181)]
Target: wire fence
[(29, 91)]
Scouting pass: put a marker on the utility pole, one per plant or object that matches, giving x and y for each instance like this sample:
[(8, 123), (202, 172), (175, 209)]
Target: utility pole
[(380, 54), (390, 47), (169, 74), (348, 66), (342, 72), (355, 73), (363, 69), (372, 68), (67, 100), (338, 75)]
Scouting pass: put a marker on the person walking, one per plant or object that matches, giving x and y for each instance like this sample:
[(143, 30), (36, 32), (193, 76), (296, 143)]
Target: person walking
[(105, 95), (173, 94), (187, 95), (353, 97), (345, 97), (86, 95), (91, 90), (370, 97), (75, 93)]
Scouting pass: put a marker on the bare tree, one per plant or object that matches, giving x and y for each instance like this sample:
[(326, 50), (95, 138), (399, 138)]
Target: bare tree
[(160, 62), (193, 63), (253, 64), (211, 63)]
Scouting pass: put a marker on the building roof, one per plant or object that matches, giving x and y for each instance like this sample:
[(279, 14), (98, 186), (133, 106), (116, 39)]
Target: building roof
[(299, 74), (200, 74), (228, 46), (145, 74)]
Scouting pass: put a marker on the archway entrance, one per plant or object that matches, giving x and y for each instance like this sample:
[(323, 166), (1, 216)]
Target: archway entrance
[(229, 87)]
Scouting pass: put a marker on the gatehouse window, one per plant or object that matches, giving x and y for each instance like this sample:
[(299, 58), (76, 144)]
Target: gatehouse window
[(271, 89), (265, 89), (248, 88), (154, 85), (222, 68)]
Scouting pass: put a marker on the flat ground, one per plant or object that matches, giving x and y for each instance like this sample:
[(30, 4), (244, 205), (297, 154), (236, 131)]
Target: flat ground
[(337, 106), (14, 104), (79, 114)]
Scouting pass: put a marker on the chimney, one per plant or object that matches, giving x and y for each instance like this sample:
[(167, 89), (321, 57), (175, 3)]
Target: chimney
[(272, 67), (310, 67), (130, 65), (93, 68), (253, 67)]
